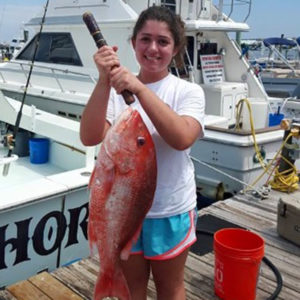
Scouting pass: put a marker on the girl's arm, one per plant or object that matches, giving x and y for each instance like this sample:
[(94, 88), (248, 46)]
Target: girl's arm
[(93, 125), (180, 132)]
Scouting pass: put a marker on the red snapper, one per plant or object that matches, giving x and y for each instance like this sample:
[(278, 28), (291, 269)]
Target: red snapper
[(122, 189)]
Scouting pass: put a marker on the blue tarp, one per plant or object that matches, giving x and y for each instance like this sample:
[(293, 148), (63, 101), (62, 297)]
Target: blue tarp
[(279, 41)]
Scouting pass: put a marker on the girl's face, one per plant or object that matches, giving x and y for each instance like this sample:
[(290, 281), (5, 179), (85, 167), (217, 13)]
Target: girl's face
[(154, 47)]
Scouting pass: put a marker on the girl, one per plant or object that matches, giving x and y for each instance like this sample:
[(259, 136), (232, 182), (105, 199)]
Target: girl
[(173, 110)]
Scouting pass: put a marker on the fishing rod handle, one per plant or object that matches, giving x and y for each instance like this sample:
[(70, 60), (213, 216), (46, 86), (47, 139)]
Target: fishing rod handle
[(96, 33)]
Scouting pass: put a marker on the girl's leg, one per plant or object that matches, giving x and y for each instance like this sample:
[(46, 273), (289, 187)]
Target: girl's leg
[(137, 271), (168, 276)]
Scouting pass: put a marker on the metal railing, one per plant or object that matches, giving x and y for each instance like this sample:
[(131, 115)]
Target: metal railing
[(200, 6), (54, 72), (232, 5), (281, 57), (187, 69)]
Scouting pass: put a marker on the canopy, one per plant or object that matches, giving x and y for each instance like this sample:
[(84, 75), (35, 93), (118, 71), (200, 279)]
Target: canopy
[(279, 41)]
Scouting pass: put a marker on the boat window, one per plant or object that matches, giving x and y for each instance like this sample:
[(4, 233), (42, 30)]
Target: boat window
[(206, 48), (171, 4), (190, 45), (53, 47)]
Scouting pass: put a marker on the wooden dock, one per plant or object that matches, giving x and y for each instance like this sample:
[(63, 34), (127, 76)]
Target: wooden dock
[(76, 281)]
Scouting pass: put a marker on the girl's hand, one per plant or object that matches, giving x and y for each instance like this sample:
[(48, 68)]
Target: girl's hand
[(122, 79), (105, 59)]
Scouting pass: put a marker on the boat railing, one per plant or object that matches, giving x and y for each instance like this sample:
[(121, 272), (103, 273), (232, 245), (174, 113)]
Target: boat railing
[(186, 70), (54, 71), (232, 6), (201, 6), (273, 49)]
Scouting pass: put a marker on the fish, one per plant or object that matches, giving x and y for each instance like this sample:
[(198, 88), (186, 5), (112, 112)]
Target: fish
[(122, 188)]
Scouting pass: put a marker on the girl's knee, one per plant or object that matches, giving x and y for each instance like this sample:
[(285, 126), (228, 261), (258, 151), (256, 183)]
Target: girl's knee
[(170, 290), (171, 284)]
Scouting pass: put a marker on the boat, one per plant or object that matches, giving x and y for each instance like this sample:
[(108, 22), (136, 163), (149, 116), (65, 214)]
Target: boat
[(64, 73), (280, 73), (4, 50), (9, 50), (44, 207), (44, 204)]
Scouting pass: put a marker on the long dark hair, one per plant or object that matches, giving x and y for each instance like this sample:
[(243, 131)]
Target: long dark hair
[(175, 25)]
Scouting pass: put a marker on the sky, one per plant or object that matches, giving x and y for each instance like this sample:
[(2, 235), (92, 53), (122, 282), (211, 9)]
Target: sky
[(268, 18)]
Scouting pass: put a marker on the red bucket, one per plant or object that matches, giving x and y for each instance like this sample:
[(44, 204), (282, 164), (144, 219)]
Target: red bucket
[(238, 254)]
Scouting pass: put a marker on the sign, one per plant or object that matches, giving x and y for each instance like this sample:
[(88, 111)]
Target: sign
[(212, 68)]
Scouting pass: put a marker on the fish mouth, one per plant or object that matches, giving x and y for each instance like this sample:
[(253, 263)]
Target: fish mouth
[(129, 118), (133, 115)]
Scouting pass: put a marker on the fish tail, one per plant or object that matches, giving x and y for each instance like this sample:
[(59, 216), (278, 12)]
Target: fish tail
[(111, 284)]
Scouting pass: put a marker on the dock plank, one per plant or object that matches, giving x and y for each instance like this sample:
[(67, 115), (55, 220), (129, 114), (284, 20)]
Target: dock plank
[(53, 287), (25, 290), (42, 286), (76, 281)]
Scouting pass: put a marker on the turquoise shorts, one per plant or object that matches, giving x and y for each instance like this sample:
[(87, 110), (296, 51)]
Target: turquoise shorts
[(165, 238)]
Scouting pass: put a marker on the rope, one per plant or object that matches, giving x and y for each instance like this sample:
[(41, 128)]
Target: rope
[(227, 175), (276, 157), (239, 108), (286, 181)]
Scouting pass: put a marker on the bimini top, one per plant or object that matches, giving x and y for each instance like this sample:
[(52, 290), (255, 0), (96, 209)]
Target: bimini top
[(279, 41)]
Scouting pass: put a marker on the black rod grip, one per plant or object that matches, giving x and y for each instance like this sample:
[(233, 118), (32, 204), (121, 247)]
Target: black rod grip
[(95, 32), (94, 29)]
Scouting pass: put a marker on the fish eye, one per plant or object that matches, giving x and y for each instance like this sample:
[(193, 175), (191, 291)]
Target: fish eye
[(141, 141)]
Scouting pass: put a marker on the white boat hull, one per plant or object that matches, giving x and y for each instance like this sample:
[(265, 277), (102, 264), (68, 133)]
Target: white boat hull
[(43, 235), (234, 155)]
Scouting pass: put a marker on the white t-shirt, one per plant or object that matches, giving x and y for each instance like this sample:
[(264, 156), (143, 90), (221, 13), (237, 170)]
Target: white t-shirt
[(176, 188)]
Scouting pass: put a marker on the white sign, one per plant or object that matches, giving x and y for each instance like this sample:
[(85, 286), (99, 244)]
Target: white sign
[(212, 68)]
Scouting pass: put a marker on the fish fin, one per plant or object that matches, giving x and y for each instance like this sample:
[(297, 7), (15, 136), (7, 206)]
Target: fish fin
[(126, 250), (92, 178), (112, 284), (92, 239)]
